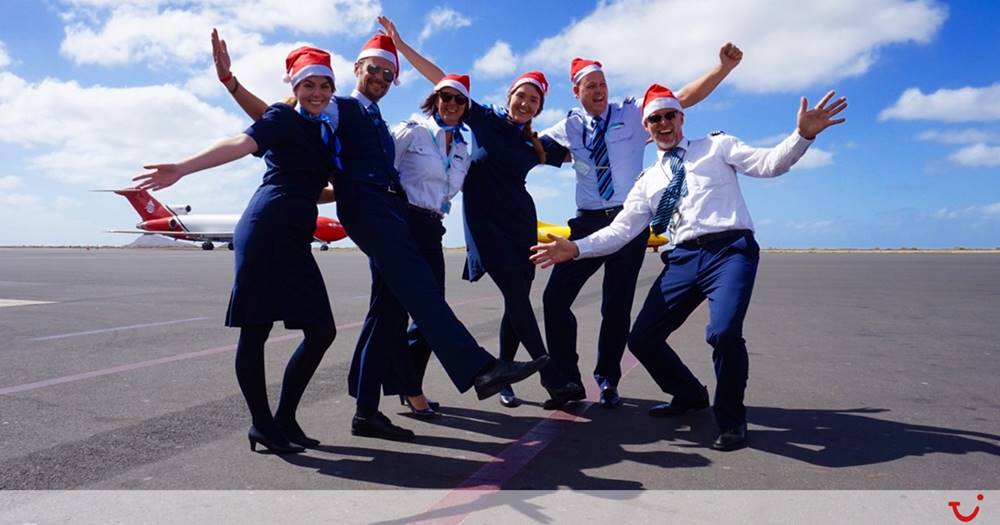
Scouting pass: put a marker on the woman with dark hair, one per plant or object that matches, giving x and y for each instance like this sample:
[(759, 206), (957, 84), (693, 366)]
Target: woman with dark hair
[(432, 159), (500, 217), (276, 275)]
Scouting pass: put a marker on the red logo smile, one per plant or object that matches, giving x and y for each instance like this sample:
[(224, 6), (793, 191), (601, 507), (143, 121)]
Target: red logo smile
[(961, 517)]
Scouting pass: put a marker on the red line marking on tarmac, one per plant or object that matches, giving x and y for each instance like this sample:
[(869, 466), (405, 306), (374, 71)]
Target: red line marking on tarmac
[(511, 460), (169, 359)]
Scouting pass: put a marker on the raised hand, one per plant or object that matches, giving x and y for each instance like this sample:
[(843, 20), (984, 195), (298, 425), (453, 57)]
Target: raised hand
[(220, 55), (549, 253), (730, 55), (162, 176), (812, 122), (389, 29)]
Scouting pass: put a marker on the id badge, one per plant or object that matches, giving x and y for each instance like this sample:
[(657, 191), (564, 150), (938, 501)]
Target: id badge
[(581, 167)]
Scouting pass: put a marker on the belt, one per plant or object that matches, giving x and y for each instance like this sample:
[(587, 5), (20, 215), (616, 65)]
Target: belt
[(709, 238), (424, 211), (608, 213)]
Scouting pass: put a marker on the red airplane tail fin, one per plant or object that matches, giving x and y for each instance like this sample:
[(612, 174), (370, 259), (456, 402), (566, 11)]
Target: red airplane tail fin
[(145, 205)]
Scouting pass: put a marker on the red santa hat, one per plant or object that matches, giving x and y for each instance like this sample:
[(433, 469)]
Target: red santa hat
[(460, 83), (380, 46), (657, 98), (305, 62), (581, 67), (535, 78)]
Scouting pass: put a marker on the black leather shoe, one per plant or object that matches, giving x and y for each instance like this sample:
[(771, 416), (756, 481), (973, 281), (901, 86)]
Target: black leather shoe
[(508, 398), (731, 439), (679, 406), (293, 432), (559, 397), (503, 373), (275, 444), (610, 398), (379, 426)]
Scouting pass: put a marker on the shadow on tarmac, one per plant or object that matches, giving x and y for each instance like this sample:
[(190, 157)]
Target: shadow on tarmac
[(850, 437)]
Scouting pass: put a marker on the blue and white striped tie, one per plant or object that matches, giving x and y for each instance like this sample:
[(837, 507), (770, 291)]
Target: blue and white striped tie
[(676, 188), (602, 164)]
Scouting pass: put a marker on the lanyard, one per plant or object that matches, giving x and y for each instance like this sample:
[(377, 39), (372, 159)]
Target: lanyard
[(446, 163), (599, 132)]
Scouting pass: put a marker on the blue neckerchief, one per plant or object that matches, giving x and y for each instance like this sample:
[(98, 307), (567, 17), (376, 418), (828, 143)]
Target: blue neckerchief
[(502, 112), (456, 130), (326, 133)]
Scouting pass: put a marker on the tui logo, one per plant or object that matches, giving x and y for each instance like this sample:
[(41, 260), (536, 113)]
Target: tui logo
[(962, 517)]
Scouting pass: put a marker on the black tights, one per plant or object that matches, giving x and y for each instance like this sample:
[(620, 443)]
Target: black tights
[(300, 369)]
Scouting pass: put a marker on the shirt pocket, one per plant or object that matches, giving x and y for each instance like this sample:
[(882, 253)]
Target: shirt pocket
[(618, 134)]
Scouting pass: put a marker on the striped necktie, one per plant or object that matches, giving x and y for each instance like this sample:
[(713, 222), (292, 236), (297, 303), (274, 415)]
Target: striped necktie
[(675, 189), (602, 164)]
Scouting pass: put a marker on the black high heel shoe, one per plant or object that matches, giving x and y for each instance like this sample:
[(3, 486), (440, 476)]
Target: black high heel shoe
[(274, 444), (425, 413), (293, 432)]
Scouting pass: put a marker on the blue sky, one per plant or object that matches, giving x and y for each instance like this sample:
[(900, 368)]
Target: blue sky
[(92, 89)]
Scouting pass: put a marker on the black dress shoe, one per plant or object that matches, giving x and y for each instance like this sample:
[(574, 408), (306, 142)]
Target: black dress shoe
[(679, 406), (731, 438), (274, 443), (559, 397), (379, 426), (610, 398), (293, 433), (504, 373), (508, 398)]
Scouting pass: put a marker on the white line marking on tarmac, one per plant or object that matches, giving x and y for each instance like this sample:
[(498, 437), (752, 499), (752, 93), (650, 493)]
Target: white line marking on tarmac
[(117, 328), (4, 303)]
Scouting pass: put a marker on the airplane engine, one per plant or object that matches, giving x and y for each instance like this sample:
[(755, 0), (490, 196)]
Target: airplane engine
[(328, 230), (180, 209)]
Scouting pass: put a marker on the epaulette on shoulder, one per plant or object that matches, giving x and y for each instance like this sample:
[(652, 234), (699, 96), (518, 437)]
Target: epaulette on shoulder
[(641, 173), (411, 123), (716, 133), (628, 100)]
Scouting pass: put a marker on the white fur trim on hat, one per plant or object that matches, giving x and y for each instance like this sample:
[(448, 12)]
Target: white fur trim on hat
[(586, 71), (376, 52), (661, 103), (454, 84), (308, 71), (528, 80)]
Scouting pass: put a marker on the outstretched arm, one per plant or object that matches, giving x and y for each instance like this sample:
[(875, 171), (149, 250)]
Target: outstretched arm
[(164, 175), (428, 69), (812, 122), (696, 91), (249, 102)]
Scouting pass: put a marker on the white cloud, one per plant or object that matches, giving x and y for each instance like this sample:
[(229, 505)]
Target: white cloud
[(789, 45), (960, 136), (112, 33), (4, 57), (440, 19), (977, 155), (99, 137), (17, 200), (539, 192), (9, 182), (497, 62), (811, 224), (814, 158), (986, 212), (547, 117), (965, 104)]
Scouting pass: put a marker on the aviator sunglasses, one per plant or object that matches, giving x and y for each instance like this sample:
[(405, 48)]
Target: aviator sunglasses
[(655, 119), (461, 100), (387, 73)]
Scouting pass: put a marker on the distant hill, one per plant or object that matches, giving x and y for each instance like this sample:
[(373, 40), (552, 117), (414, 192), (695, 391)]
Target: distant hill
[(158, 241)]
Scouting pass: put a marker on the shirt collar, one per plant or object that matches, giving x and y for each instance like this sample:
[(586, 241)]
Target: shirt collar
[(683, 144), (365, 101)]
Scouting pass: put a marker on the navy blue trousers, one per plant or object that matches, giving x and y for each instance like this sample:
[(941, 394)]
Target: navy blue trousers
[(402, 281), (618, 291), (723, 272)]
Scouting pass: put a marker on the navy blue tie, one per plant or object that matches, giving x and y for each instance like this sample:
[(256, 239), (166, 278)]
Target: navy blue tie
[(602, 164), (388, 146), (673, 192), (326, 133)]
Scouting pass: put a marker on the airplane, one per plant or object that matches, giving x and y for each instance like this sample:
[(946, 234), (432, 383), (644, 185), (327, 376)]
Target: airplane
[(175, 221), (545, 228)]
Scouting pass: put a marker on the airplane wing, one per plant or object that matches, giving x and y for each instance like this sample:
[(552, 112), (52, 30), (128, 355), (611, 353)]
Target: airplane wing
[(216, 235)]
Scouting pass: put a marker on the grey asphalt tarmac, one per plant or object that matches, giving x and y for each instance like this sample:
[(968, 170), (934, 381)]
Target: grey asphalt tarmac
[(867, 371)]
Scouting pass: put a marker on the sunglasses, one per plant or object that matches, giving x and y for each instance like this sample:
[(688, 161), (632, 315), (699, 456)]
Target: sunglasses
[(461, 100), (387, 73), (655, 119)]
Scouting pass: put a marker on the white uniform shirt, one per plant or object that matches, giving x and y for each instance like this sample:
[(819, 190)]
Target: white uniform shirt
[(430, 175), (626, 140), (714, 202)]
